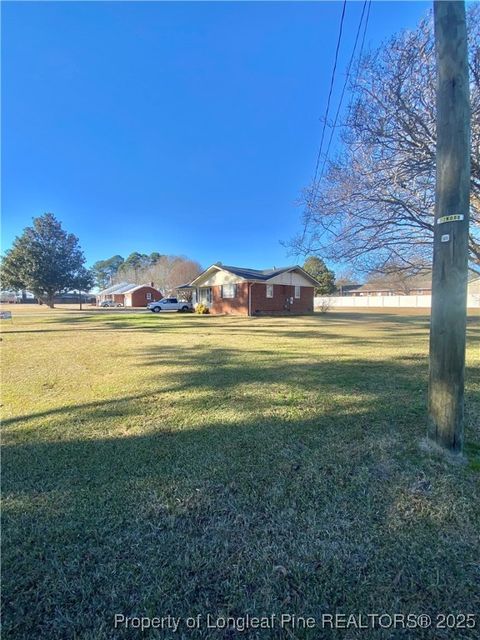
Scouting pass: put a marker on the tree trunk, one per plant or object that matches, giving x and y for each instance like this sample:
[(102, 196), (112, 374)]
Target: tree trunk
[(48, 300)]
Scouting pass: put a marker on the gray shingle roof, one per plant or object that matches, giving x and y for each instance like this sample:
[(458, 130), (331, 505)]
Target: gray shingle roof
[(256, 274)]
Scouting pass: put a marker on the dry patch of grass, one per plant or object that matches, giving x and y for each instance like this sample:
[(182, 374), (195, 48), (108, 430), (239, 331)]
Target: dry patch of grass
[(174, 464)]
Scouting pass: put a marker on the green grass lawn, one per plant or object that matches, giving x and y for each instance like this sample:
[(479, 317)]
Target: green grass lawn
[(177, 464)]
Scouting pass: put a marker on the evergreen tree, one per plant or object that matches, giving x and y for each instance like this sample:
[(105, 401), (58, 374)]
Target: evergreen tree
[(105, 270), (317, 268), (45, 260)]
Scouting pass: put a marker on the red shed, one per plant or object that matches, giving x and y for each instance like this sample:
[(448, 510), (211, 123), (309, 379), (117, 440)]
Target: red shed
[(130, 295), (141, 295)]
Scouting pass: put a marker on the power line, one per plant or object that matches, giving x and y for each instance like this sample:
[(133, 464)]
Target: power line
[(367, 3), (332, 80), (347, 76), (362, 45), (365, 28)]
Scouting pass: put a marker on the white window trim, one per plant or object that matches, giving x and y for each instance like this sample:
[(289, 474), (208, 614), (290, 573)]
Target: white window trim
[(269, 291), (297, 289), (233, 290)]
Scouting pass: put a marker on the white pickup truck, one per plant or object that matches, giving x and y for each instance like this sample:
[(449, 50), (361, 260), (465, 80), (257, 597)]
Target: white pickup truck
[(169, 304)]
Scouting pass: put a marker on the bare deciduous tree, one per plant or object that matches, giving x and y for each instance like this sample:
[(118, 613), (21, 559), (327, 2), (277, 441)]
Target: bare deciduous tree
[(166, 272), (400, 279), (375, 204)]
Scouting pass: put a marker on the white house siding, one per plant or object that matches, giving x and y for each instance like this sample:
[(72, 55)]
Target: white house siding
[(218, 278), (292, 278), (474, 287)]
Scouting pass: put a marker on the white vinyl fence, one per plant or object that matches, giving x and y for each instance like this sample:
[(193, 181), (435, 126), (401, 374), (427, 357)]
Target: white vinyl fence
[(412, 302)]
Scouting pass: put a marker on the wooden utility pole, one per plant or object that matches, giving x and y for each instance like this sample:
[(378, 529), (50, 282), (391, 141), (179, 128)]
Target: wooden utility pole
[(450, 250)]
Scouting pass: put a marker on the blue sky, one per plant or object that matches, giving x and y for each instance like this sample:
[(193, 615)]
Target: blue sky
[(184, 128)]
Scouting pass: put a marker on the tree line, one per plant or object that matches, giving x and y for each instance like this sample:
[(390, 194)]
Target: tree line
[(165, 271), (168, 272), (47, 260)]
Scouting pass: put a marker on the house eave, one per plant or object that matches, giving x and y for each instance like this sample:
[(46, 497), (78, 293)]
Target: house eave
[(217, 267), (197, 282)]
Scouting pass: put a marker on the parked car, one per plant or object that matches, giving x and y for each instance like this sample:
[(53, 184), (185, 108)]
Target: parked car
[(110, 303), (169, 304)]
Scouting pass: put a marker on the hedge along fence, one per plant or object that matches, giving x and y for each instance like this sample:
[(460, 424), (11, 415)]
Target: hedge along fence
[(413, 302)]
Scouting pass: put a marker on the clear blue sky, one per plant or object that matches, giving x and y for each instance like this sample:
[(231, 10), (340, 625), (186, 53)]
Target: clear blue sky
[(186, 128)]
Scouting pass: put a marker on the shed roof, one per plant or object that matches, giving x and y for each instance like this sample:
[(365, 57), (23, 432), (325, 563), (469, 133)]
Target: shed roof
[(136, 287), (121, 287), (124, 287)]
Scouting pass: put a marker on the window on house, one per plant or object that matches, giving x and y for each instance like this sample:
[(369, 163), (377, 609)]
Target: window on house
[(228, 291), (205, 295), (149, 296), (269, 290), (297, 292)]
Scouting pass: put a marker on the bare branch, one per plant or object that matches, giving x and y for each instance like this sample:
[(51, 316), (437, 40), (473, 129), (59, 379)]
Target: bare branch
[(375, 204)]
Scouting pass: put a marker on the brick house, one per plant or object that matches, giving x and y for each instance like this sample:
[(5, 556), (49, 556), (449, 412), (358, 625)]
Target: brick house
[(250, 292), (129, 295)]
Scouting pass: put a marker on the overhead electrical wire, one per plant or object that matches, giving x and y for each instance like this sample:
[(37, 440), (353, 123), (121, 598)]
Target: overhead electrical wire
[(365, 31), (332, 81), (347, 77), (366, 6)]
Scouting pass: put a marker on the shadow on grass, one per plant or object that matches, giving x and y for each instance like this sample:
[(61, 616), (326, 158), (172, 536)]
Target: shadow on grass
[(270, 487), (209, 377), (319, 326), (206, 376)]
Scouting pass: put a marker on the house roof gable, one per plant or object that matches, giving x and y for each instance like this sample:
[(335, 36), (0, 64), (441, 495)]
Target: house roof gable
[(252, 275)]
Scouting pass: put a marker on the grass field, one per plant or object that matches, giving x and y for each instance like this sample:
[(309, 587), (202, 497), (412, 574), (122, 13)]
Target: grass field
[(176, 464)]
